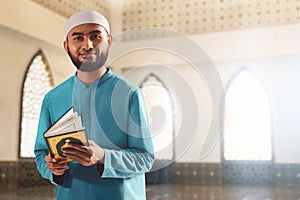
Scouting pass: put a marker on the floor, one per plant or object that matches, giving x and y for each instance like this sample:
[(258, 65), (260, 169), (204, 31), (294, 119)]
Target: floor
[(179, 192)]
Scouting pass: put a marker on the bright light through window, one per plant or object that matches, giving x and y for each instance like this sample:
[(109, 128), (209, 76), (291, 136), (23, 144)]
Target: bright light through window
[(162, 129), (247, 128), (37, 82)]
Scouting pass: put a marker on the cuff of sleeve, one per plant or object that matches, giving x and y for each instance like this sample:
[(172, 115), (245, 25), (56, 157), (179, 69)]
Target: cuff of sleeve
[(107, 170), (100, 168), (63, 180), (58, 179)]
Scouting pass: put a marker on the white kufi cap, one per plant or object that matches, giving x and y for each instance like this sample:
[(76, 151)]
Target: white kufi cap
[(84, 17)]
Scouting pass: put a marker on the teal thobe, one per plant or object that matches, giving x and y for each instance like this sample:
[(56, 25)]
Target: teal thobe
[(114, 115)]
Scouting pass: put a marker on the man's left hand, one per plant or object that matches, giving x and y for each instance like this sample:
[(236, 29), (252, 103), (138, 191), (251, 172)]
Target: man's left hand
[(85, 155)]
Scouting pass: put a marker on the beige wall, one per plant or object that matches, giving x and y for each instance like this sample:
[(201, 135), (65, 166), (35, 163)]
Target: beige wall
[(20, 40)]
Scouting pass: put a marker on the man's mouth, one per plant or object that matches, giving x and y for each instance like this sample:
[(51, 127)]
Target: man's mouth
[(88, 54)]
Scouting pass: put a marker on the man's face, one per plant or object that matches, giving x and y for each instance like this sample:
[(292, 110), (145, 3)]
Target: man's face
[(88, 46)]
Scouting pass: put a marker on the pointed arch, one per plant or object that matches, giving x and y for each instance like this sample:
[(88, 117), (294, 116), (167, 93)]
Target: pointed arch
[(157, 97), (247, 133), (38, 80)]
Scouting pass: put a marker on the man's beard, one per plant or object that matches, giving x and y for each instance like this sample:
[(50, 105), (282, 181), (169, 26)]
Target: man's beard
[(87, 66)]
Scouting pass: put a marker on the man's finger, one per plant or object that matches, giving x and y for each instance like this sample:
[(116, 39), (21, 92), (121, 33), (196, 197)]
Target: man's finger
[(78, 156), (82, 151)]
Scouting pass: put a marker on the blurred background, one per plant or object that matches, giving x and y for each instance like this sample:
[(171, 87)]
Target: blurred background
[(254, 46)]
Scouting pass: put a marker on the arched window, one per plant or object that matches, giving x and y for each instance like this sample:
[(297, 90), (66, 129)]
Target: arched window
[(37, 82), (247, 128), (160, 103)]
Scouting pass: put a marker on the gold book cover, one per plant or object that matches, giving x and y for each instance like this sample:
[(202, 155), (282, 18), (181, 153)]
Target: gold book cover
[(57, 142)]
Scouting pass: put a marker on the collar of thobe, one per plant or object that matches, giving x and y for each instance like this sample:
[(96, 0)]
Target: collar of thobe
[(94, 84)]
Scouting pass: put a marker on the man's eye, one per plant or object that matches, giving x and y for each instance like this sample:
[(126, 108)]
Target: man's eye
[(78, 38), (96, 36)]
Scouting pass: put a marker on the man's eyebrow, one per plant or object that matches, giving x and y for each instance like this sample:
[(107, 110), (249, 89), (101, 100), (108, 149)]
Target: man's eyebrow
[(76, 33), (94, 31), (80, 33)]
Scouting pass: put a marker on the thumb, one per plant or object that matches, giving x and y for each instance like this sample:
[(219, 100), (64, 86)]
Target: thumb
[(92, 143)]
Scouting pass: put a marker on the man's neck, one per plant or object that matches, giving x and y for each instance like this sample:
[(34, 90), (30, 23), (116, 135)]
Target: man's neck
[(90, 77)]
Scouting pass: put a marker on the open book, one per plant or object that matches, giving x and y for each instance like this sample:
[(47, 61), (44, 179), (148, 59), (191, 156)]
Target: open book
[(68, 128)]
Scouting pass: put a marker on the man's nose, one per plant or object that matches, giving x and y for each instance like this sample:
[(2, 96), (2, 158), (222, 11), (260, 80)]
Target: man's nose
[(88, 44)]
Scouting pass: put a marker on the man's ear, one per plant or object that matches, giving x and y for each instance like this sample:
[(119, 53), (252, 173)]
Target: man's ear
[(109, 40), (66, 46)]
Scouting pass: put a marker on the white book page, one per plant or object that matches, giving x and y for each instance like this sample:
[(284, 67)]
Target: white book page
[(78, 122), (68, 114), (61, 123), (66, 130), (72, 124), (65, 117), (70, 121)]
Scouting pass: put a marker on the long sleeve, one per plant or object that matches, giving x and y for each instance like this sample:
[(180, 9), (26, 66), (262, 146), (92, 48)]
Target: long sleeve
[(41, 149), (138, 157)]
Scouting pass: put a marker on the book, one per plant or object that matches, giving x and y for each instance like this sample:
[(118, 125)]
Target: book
[(67, 129)]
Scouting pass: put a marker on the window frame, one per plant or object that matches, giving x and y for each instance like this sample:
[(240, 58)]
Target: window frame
[(231, 80), (51, 81), (159, 80)]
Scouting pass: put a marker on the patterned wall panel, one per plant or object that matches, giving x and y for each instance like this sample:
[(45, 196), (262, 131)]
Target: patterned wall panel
[(195, 173), (199, 16), (189, 17), (244, 174), (20, 180), (248, 174), (287, 175), (8, 176), (67, 8), (22, 174)]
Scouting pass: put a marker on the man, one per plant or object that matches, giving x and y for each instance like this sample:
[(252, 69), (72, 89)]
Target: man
[(120, 149)]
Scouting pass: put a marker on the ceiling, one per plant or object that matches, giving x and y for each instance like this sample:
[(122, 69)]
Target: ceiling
[(188, 17), (66, 7)]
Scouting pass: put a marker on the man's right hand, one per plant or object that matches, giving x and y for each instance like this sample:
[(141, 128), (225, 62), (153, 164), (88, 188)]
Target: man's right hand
[(55, 168)]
